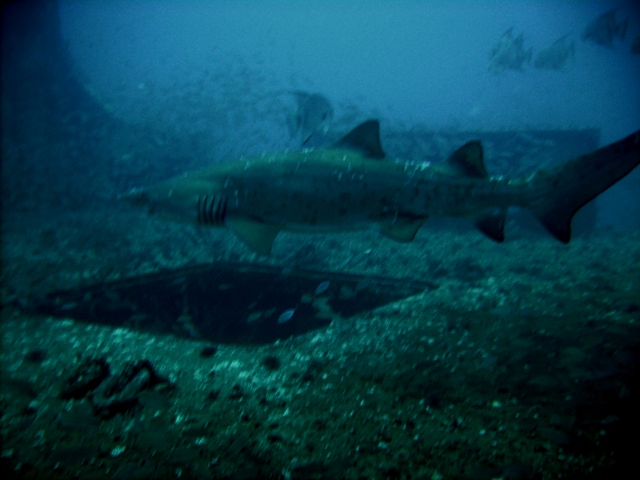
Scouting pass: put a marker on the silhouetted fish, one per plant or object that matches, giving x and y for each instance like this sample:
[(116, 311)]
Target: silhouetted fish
[(556, 55), (603, 30), (508, 53), (313, 113), (635, 46)]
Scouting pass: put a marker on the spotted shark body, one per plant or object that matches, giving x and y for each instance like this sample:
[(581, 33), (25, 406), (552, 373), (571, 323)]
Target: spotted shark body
[(353, 185)]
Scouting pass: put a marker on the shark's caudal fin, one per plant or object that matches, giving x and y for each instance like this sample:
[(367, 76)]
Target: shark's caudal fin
[(556, 194)]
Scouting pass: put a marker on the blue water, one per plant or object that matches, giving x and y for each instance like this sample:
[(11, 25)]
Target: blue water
[(405, 61)]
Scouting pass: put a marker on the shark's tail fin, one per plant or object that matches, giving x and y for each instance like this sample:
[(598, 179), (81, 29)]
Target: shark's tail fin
[(556, 194)]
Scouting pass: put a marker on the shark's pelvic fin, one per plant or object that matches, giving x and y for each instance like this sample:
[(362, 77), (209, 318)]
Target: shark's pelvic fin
[(402, 229), (259, 236), (556, 194), (365, 138), (468, 161)]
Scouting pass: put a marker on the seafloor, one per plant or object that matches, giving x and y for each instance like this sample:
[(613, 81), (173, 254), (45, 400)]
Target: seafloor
[(521, 364)]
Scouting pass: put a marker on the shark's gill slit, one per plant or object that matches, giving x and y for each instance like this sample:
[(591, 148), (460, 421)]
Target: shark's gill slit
[(212, 213), (216, 204), (209, 211), (222, 210), (203, 216)]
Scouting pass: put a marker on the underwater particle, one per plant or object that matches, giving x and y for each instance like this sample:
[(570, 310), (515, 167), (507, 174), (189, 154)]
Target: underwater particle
[(89, 374), (31, 408), (346, 293), (236, 392), (117, 451), (307, 298), (434, 400), (286, 315), (516, 470), (35, 356), (120, 393), (314, 368), (275, 437), (271, 362), (186, 322), (208, 351), (323, 287)]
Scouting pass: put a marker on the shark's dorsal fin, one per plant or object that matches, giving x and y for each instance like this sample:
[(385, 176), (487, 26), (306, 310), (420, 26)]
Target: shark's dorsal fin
[(257, 235), (365, 138), (467, 161)]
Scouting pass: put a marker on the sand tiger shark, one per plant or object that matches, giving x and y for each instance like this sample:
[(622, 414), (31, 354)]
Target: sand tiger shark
[(353, 185)]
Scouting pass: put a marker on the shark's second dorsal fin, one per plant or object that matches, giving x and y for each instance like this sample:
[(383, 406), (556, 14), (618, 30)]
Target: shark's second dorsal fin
[(467, 161), (365, 138)]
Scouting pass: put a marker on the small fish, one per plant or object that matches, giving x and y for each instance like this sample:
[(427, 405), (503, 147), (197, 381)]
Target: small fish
[(556, 55), (286, 315), (323, 287), (176, 282), (635, 46), (69, 306), (307, 298), (508, 53), (314, 113), (137, 318), (346, 292)]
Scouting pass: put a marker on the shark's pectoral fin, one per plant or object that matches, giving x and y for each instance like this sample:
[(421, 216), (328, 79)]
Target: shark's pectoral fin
[(259, 236), (402, 229), (491, 223)]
